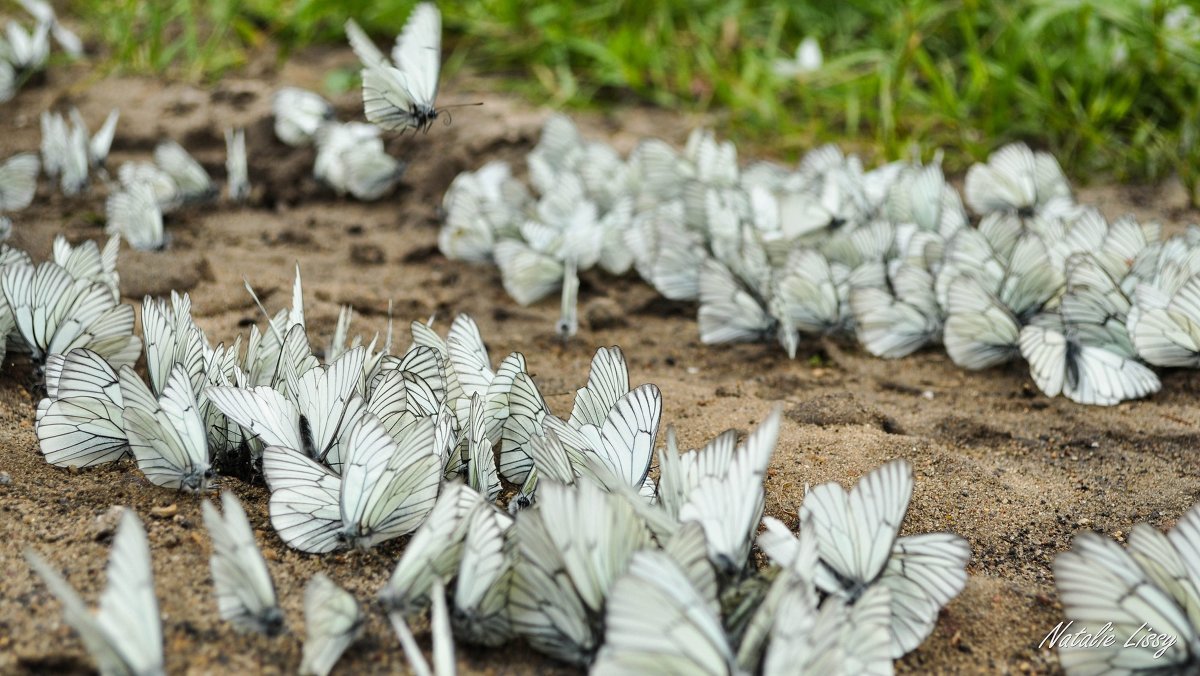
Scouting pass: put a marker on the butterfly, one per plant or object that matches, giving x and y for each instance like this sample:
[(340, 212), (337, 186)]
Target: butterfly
[(135, 214), (351, 159), (44, 13), (65, 151), (322, 407), (858, 547), (100, 143), (332, 622), (166, 191), (572, 546), (1166, 327), (237, 175), (193, 181), (482, 475), (18, 181), (125, 635), (612, 425), (167, 434), (299, 113), (55, 311), (26, 51), (720, 488), (1151, 586), (80, 421), (386, 489), (443, 640), (245, 593), (400, 94), (896, 312), (728, 311), (1015, 179), (480, 613), (433, 552), (656, 621)]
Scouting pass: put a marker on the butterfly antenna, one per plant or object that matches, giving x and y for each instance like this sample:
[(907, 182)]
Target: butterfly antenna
[(270, 323)]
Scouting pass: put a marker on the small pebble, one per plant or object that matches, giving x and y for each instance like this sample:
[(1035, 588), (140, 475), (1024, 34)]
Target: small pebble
[(164, 512), (106, 524), (5, 479)]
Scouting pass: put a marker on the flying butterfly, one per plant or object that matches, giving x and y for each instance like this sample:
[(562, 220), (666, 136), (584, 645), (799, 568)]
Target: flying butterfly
[(400, 94)]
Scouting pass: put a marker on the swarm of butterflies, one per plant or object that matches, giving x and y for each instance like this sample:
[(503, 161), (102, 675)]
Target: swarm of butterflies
[(889, 255), (371, 445), (593, 560)]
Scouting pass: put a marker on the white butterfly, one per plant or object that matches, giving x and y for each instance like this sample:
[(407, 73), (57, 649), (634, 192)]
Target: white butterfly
[(573, 545), (1089, 363), (1015, 179), (299, 113), (481, 588), (237, 175), (728, 311), (89, 262), (720, 488), (26, 51), (620, 438), (386, 489), (400, 94), (245, 593), (1153, 586), (98, 145), (922, 196), (324, 405), (810, 296), (18, 181), (528, 275), (55, 313), (351, 159), (44, 13), (432, 553), (332, 622), (166, 191), (481, 461), (980, 331), (526, 413), (80, 422), (167, 435), (194, 183), (134, 213), (125, 635), (443, 641), (857, 541), (808, 59), (65, 151), (1166, 328), (657, 622), (481, 206), (898, 315), (173, 339)]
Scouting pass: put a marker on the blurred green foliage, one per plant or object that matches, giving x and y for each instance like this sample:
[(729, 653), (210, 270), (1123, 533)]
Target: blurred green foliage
[(1112, 87)]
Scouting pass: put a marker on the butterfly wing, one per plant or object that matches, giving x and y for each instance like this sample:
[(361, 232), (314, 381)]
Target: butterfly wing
[(245, 593)]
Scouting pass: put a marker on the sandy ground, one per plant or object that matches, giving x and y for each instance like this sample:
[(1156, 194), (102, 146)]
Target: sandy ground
[(1011, 471)]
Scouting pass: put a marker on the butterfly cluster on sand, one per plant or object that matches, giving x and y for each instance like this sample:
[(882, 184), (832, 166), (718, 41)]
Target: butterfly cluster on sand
[(373, 443), (889, 255)]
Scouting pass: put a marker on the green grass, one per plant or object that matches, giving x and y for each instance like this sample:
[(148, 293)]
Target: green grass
[(1112, 87)]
